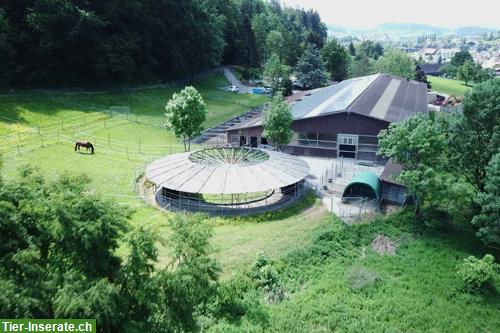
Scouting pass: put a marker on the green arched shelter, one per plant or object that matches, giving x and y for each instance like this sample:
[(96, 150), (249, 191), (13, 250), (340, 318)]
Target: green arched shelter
[(363, 184)]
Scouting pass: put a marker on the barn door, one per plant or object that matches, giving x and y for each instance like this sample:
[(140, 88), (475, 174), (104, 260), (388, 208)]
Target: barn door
[(347, 146)]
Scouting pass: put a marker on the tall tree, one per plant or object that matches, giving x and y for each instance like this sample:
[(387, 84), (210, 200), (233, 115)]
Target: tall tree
[(421, 77), (310, 69), (467, 72), (372, 49), (488, 220), (186, 112), (361, 66), (461, 58), (336, 59), (6, 50), (277, 121), (419, 145), (397, 63), (352, 50), (276, 73), (474, 137), (249, 52), (59, 260)]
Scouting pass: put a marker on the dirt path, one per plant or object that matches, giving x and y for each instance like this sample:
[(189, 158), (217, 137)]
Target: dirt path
[(231, 77)]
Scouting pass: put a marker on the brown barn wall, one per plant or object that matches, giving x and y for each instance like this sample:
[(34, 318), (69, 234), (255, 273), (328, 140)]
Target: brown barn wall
[(340, 123)]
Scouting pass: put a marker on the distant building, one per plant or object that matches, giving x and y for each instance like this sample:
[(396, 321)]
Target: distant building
[(447, 53), (430, 51), (344, 119), (431, 69)]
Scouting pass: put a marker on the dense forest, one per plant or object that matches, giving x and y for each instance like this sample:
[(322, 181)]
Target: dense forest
[(82, 42)]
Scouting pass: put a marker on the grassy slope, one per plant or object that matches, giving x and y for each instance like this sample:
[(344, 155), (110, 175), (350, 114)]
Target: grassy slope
[(448, 86), (113, 174), (417, 290)]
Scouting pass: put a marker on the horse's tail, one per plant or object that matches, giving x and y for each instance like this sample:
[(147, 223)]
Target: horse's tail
[(76, 145), (92, 148)]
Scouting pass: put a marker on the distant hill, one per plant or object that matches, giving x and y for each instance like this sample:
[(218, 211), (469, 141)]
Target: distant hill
[(396, 31), (473, 31), (336, 28), (410, 27)]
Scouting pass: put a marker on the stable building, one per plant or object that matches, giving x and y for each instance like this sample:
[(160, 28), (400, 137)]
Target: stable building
[(344, 119)]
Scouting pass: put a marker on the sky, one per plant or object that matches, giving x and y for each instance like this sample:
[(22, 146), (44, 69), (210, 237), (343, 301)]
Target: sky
[(369, 13)]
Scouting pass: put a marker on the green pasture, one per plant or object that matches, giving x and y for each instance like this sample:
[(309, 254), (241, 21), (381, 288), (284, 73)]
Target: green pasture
[(317, 258), (448, 86)]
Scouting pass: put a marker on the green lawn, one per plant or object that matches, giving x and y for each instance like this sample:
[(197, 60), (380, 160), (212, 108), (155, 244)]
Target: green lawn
[(123, 147), (448, 86), (336, 282), (416, 291)]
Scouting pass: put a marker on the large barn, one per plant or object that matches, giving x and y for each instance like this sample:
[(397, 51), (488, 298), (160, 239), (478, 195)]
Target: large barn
[(344, 119)]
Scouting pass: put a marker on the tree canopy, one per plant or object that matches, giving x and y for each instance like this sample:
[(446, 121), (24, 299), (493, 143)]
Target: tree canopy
[(277, 121), (276, 73), (59, 261), (311, 70), (419, 145), (49, 43), (461, 58), (488, 220), (186, 112), (336, 59), (451, 160), (397, 63), (474, 134)]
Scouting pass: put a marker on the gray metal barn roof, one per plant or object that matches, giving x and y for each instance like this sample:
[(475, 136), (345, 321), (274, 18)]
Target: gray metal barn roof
[(181, 172), (381, 96)]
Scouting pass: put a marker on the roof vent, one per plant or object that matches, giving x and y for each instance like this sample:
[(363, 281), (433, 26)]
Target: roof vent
[(308, 94)]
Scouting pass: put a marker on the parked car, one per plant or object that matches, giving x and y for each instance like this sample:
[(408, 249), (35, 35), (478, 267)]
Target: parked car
[(234, 89)]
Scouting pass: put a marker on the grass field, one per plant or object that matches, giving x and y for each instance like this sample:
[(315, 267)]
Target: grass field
[(124, 146), (336, 282), (315, 255), (448, 86)]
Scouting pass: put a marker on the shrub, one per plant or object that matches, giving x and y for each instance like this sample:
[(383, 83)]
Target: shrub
[(477, 273), (266, 278), (361, 277)]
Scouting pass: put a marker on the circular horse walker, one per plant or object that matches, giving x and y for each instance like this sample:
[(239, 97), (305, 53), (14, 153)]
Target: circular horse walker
[(228, 181)]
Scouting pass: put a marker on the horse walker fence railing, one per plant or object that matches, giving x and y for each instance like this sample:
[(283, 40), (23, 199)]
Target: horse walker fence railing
[(224, 205)]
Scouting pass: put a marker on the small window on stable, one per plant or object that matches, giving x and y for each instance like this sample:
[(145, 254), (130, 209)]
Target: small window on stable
[(263, 141)]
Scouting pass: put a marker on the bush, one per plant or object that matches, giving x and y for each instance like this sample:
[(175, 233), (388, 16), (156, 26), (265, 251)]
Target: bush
[(477, 273), (266, 278), (361, 277)]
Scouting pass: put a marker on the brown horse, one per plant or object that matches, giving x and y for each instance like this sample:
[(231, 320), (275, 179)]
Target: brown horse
[(84, 144)]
